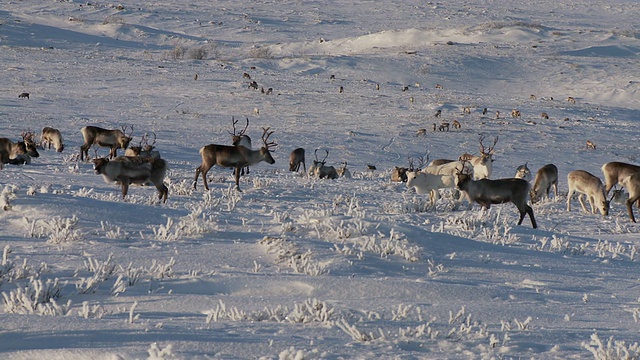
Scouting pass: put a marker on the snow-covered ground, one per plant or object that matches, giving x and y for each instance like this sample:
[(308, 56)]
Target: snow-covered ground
[(299, 268)]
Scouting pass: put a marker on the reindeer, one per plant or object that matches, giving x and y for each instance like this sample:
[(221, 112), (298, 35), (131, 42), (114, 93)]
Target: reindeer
[(444, 126), (51, 136), (320, 170), (591, 145), (585, 183), (523, 172), (343, 171), (546, 177), (399, 174), (240, 139), (515, 113), (483, 164), (615, 171), (456, 124), (17, 153), (128, 170), (24, 95), (429, 182), (233, 156), (632, 183), (113, 139), (295, 159), (144, 148), (486, 192)]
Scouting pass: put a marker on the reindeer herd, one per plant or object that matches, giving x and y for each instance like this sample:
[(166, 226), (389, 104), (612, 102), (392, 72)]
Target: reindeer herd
[(469, 176)]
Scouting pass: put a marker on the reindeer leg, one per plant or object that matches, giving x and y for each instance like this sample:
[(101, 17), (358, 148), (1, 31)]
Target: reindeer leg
[(581, 200), (125, 186), (238, 179), (533, 219), (204, 178), (195, 181), (630, 208), (569, 195)]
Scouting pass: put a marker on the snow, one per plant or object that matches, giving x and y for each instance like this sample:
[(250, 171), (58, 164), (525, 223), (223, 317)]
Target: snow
[(294, 267)]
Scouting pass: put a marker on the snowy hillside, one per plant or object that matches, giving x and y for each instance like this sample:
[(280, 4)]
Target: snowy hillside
[(295, 267)]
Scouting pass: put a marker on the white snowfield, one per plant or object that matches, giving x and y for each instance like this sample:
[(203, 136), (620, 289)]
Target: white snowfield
[(295, 267)]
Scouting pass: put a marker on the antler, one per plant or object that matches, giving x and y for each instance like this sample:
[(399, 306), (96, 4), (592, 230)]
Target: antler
[(124, 130), (411, 167), (495, 141), (265, 137), (234, 122), (27, 135), (145, 139)]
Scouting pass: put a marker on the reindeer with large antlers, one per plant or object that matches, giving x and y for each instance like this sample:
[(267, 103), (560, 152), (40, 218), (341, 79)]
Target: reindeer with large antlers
[(320, 170), (144, 149), (113, 139), (483, 164), (234, 157)]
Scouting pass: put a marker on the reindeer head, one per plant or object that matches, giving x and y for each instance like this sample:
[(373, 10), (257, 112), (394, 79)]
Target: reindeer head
[(126, 138), (268, 147), (30, 145), (318, 163), (487, 154), (99, 163)]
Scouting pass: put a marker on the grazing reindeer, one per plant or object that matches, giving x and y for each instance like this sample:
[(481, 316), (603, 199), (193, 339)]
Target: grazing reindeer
[(571, 100), (24, 95), (128, 170), (615, 171), (295, 159), (632, 183), (233, 156), (483, 164), (523, 172), (546, 177), (144, 148), (515, 113), (590, 145), (51, 136), (444, 126), (320, 170), (544, 115), (240, 139), (17, 153), (486, 192), (585, 183), (113, 139), (456, 124)]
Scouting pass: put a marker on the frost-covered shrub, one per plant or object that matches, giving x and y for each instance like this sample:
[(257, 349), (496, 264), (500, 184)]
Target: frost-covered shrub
[(6, 196), (198, 53), (31, 298), (62, 230), (311, 311), (612, 350), (289, 254)]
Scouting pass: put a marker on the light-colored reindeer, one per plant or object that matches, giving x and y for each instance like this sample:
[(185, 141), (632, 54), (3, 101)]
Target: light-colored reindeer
[(585, 183), (320, 170), (128, 170), (487, 192), (632, 184), (615, 171), (523, 172), (51, 136), (113, 139), (234, 157), (483, 164), (546, 177)]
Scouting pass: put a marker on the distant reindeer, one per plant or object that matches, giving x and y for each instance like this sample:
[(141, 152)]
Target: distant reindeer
[(233, 156), (585, 183), (24, 95), (571, 100), (17, 153), (487, 192), (544, 115), (632, 184), (421, 132), (438, 113), (51, 136), (483, 164), (466, 110), (343, 171), (240, 139), (444, 126), (139, 170), (546, 177), (113, 139), (320, 170), (144, 148), (615, 171), (456, 124), (295, 159), (523, 172), (590, 145), (515, 113)]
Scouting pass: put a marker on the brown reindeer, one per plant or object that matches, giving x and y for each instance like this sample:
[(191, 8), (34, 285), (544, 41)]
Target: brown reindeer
[(234, 157), (295, 159), (113, 139), (17, 153)]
